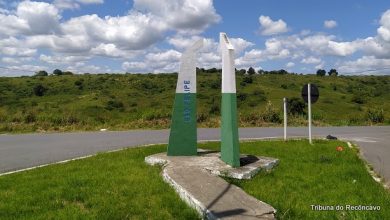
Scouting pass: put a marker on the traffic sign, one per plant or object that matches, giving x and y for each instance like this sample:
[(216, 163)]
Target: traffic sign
[(314, 93)]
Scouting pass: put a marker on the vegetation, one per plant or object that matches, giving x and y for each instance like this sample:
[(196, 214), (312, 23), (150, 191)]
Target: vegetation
[(313, 175), (306, 175), (132, 101), (106, 186)]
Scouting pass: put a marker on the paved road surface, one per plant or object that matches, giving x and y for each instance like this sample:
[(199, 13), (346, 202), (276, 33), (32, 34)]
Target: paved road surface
[(23, 151)]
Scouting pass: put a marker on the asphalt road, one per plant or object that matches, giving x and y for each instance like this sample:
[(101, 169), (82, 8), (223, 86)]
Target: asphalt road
[(28, 150)]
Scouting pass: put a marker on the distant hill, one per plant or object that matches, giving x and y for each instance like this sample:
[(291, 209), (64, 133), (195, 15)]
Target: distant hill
[(132, 101)]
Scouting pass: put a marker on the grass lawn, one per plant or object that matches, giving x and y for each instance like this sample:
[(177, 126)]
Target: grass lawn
[(120, 185)]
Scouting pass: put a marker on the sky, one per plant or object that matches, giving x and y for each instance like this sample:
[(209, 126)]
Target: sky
[(142, 36)]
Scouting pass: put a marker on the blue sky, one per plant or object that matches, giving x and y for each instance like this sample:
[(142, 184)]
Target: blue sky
[(100, 36)]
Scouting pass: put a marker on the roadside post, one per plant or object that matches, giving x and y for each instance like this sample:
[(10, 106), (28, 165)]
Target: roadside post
[(310, 94), (285, 117)]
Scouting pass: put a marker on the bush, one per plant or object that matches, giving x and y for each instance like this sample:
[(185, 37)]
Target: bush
[(359, 99), (242, 96), (215, 85), (114, 104), (248, 79), (271, 114), (295, 106), (155, 115), (284, 86), (30, 117), (375, 115), (214, 109), (202, 117), (57, 72), (41, 73), (39, 90)]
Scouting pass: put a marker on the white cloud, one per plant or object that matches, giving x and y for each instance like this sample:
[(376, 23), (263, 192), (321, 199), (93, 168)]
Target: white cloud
[(182, 42), (60, 59), (311, 60), (270, 27), (384, 29), (21, 70), (342, 48), (166, 61), (13, 47), (290, 64), (329, 24), (74, 4), (365, 65), (186, 16), (134, 31), (240, 45)]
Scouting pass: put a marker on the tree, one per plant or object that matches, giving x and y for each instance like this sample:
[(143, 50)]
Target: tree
[(321, 72), (251, 71), (333, 72), (260, 71), (57, 72), (241, 71), (67, 73), (41, 73)]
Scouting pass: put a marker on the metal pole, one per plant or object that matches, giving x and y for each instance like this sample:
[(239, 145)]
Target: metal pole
[(309, 107), (285, 118)]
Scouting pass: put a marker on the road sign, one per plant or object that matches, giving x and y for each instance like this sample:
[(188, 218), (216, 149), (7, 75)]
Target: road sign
[(314, 93)]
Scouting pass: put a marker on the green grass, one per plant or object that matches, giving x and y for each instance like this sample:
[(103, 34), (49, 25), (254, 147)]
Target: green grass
[(314, 175), (108, 186), (120, 185), (128, 101)]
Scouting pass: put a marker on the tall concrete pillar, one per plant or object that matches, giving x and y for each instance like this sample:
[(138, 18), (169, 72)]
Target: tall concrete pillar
[(183, 134), (230, 149)]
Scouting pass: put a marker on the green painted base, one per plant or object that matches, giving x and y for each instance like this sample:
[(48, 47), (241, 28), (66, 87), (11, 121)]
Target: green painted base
[(183, 135), (230, 149)]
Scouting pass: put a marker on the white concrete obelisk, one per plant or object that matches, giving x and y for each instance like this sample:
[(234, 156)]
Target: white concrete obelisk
[(183, 134), (230, 149)]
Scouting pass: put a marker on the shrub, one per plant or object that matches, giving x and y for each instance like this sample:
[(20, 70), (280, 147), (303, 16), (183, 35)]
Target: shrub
[(242, 96), (114, 104), (201, 117), (271, 114), (41, 73), (155, 114), (359, 99), (214, 109), (248, 79), (57, 72), (295, 106), (30, 117), (215, 85), (375, 115), (39, 90), (284, 86)]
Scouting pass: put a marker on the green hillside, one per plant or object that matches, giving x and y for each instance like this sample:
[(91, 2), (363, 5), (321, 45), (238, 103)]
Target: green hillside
[(132, 101)]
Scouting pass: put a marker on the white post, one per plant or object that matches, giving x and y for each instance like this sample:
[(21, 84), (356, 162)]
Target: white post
[(309, 107), (285, 118)]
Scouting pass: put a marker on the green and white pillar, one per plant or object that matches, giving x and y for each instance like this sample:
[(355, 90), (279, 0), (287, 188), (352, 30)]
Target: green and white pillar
[(183, 134), (230, 149)]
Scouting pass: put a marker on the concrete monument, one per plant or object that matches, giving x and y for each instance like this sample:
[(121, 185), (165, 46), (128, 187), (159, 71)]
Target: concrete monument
[(183, 134), (230, 149)]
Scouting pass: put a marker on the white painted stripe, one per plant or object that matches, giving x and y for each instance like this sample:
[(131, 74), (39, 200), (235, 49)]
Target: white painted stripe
[(186, 80), (228, 70)]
